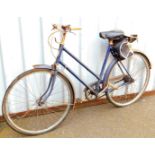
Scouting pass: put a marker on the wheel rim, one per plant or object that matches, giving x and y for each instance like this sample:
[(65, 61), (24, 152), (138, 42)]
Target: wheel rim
[(31, 118), (130, 92)]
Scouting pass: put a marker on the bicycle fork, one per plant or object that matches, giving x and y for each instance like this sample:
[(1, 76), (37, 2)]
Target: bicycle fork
[(49, 89)]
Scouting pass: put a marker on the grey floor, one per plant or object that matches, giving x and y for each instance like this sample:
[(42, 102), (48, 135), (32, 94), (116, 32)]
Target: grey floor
[(137, 120)]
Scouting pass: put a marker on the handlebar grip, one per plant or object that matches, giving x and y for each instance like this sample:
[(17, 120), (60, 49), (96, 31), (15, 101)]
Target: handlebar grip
[(75, 29)]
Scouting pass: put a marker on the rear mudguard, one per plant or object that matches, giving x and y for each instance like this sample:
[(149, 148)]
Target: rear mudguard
[(139, 52), (44, 66)]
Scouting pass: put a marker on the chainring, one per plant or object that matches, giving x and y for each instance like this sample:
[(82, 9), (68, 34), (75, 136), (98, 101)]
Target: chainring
[(89, 95)]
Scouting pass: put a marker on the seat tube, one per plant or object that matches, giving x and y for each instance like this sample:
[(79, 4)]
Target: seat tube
[(105, 61)]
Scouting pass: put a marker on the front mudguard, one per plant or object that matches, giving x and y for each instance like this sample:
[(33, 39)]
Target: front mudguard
[(42, 66), (53, 67)]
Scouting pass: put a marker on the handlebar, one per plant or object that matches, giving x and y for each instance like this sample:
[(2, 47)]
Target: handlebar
[(75, 29), (65, 28)]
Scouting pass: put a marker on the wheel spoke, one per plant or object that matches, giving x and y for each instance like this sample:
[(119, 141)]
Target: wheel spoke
[(26, 113), (122, 96)]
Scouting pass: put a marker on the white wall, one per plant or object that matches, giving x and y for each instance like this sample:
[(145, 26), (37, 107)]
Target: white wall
[(25, 43)]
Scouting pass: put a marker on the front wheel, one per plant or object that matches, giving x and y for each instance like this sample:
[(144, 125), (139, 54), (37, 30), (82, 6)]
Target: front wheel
[(22, 109), (128, 80)]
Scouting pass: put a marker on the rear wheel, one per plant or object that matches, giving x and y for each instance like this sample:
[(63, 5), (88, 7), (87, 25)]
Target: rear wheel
[(22, 110), (126, 87)]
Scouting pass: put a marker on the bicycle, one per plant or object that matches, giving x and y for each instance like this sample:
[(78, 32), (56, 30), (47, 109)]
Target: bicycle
[(38, 100)]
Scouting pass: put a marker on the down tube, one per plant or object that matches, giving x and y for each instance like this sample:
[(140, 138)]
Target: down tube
[(70, 71), (76, 76)]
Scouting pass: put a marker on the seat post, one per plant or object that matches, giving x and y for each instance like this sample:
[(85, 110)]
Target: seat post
[(111, 42)]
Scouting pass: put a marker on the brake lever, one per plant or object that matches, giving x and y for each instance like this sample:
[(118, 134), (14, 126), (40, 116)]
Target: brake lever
[(57, 41)]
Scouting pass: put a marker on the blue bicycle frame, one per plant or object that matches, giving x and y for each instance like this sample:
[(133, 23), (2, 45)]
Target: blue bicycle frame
[(101, 79)]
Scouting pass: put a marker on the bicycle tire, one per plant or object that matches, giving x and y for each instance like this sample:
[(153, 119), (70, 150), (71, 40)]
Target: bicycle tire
[(6, 105)]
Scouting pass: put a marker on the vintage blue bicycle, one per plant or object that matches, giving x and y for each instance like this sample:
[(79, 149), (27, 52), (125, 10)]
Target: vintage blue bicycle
[(38, 100)]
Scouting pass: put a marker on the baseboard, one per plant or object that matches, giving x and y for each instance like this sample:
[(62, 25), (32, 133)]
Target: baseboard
[(90, 103)]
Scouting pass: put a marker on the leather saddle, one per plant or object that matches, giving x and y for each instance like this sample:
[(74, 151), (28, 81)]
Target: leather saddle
[(112, 35)]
